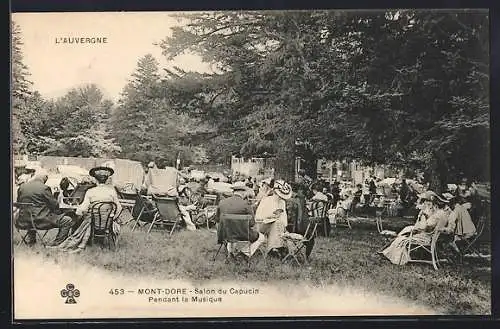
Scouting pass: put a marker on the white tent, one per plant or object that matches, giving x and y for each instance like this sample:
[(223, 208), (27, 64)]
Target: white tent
[(71, 171)]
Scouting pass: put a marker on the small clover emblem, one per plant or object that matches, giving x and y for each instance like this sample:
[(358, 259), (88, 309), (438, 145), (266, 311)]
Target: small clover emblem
[(70, 293)]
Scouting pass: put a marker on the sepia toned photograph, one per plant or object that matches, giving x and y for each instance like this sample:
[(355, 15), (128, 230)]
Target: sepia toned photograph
[(250, 164)]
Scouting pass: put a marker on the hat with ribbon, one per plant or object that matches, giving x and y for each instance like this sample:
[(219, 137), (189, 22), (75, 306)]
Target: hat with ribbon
[(101, 171), (282, 189)]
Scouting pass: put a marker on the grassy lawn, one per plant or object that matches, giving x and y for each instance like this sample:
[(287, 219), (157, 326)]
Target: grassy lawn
[(347, 258)]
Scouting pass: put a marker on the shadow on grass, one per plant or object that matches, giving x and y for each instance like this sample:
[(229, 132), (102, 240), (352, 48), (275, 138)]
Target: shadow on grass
[(347, 258)]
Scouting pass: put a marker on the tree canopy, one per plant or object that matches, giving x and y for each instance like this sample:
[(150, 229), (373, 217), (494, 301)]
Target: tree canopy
[(402, 87)]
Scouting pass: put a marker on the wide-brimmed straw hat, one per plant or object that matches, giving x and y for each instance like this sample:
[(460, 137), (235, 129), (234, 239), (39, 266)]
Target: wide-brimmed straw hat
[(101, 171), (282, 189)]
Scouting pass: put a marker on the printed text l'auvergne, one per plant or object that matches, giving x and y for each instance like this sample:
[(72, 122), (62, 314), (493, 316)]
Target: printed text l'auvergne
[(81, 40)]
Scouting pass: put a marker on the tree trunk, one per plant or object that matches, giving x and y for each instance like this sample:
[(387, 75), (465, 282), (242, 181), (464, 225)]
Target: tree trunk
[(285, 163), (438, 173)]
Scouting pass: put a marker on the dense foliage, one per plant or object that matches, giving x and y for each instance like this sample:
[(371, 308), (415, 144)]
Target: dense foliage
[(408, 88), (403, 87)]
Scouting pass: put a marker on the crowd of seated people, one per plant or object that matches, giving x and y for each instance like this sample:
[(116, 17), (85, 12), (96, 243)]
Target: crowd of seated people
[(74, 225), (270, 208)]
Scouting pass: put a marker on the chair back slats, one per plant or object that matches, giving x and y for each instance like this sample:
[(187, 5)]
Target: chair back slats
[(102, 214), (210, 199), (318, 209)]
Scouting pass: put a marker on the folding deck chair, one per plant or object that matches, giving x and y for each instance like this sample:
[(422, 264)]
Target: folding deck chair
[(28, 208), (205, 216), (102, 215), (167, 214), (210, 200), (344, 220), (298, 241)]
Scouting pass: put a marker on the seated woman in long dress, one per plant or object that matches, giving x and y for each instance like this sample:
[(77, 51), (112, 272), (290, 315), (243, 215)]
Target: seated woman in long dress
[(422, 232), (103, 192), (272, 216), (426, 207), (460, 222)]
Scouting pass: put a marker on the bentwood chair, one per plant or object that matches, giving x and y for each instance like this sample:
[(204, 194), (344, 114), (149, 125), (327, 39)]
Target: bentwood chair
[(102, 215)]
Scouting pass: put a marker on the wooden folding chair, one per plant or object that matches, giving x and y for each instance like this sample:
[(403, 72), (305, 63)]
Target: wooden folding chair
[(167, 214), (343, 218), (26, 207), (387, 234), (102, 215), (299, 241)]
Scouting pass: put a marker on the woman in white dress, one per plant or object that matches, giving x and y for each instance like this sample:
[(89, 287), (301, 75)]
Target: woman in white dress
[(397, 252), (272, 218)]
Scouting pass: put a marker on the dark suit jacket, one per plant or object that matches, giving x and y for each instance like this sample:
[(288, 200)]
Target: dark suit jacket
[(46, 208), (236, 220)]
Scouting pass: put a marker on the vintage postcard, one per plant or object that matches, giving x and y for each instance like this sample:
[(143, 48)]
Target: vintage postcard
[(250, 164)]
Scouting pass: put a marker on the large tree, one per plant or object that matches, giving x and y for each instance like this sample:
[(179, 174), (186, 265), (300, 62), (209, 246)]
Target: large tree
[(147, 125), (75, 124), (20, 90), (400, 87)]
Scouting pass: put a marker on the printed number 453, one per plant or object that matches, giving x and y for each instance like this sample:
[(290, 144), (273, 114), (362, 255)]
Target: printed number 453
[(116, 291)]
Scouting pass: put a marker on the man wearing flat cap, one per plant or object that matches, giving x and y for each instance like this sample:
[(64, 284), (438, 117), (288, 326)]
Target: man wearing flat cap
[(101, 193), (45, 211)]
